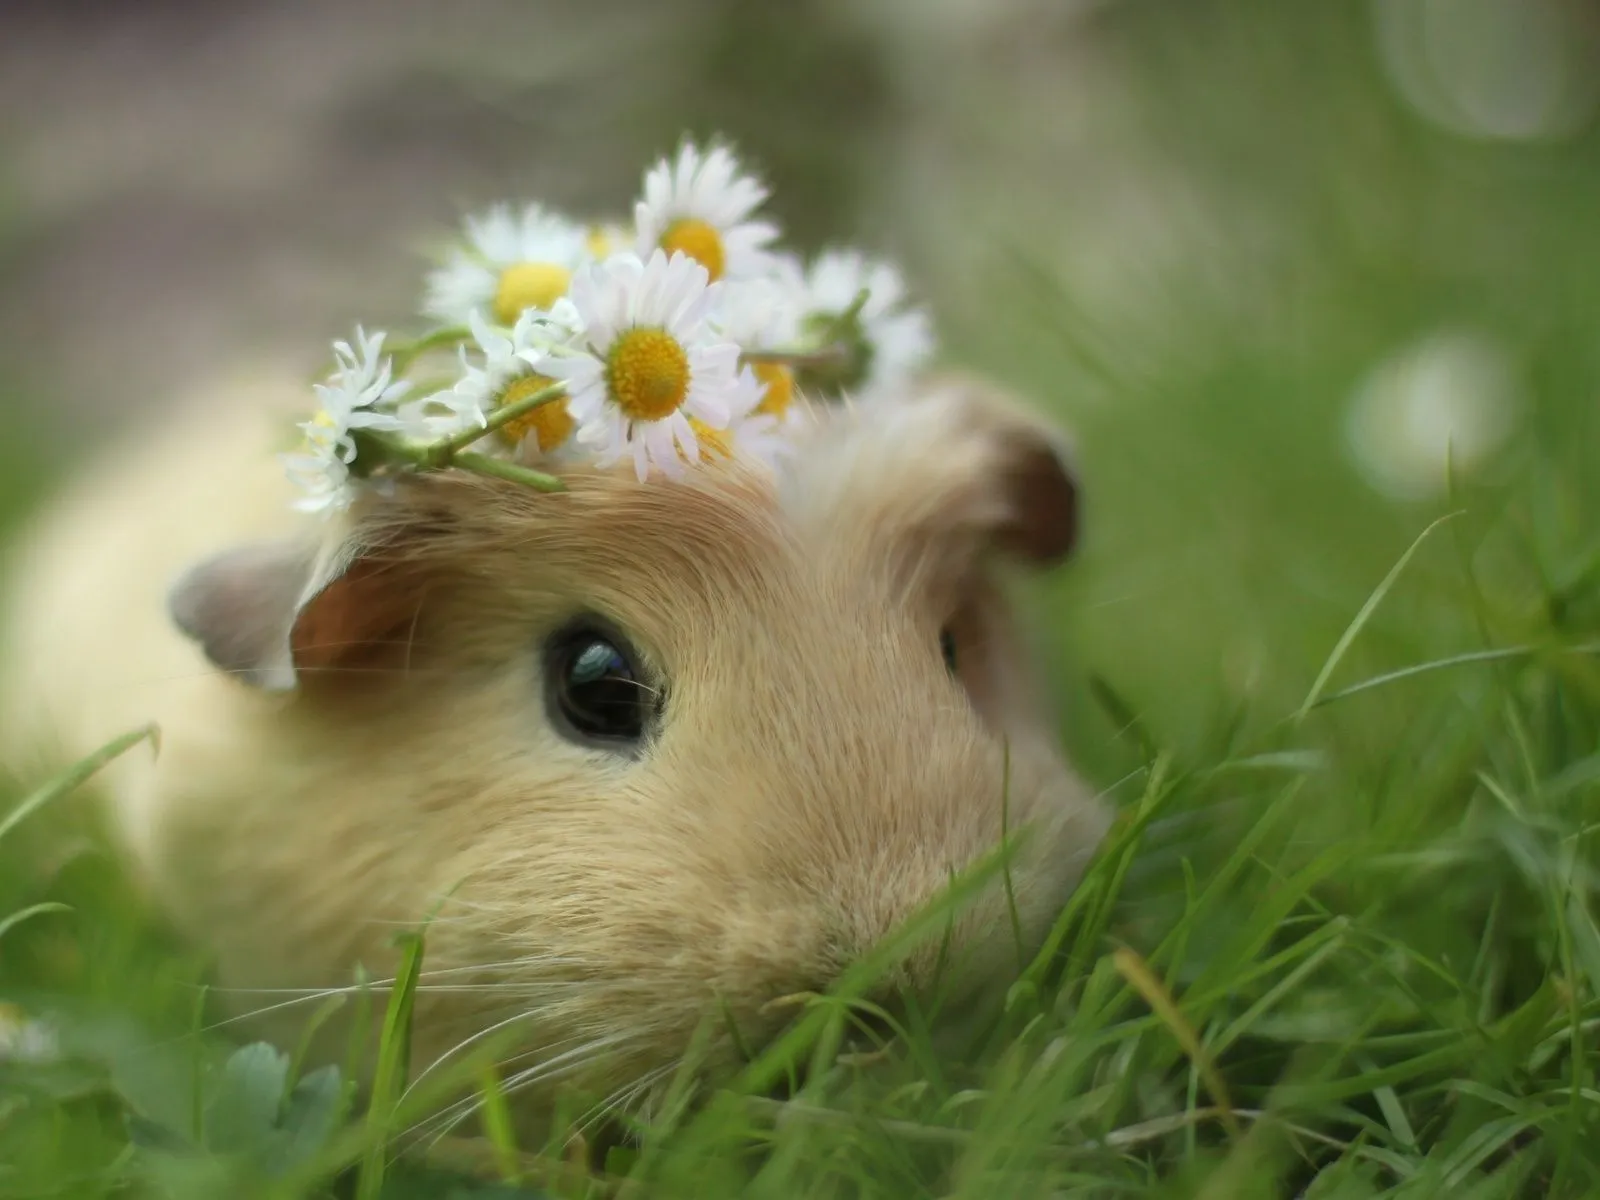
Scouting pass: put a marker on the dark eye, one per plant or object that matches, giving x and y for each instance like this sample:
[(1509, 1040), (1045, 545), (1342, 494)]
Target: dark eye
[(947, 647), (597, 693)]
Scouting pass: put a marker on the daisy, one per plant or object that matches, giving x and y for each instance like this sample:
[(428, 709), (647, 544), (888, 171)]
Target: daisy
[(509, 373), (764, 315), (701, 205), (889, 339), (752, 432), (605, 238), (759, 437), (645, 360), (351, 399), (512, 261)]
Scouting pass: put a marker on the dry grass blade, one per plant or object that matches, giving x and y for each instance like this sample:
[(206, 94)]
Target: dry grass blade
[(1139, 976)]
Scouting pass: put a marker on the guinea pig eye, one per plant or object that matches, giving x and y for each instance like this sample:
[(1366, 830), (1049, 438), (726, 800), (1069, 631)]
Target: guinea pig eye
[(947, 647), (597, 693)]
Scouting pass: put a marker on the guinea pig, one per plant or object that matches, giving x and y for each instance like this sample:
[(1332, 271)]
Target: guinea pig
[(642, 751)]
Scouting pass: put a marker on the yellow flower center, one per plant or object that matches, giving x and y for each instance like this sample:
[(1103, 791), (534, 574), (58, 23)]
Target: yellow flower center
[(647, 373), (601, 240), (780, 387), (308, 437), (699, 241), (550, 422), (529, 285), (713, 442)]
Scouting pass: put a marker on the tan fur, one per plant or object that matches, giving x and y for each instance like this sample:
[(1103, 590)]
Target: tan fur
[(817, 778)]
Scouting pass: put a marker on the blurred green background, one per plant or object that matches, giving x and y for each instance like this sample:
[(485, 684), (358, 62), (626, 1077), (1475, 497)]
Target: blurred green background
[(1274, 262)]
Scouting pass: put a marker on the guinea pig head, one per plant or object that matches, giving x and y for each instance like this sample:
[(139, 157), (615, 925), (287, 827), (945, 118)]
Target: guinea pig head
[(658, 751)]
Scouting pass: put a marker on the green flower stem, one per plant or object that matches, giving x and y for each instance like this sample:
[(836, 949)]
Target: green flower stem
[(482, 464), (443, 454), (375, 450), (845, 322), (834, 350), (407, 353)]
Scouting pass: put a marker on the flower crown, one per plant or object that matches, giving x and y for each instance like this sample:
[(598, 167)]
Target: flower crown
[(691, 335)]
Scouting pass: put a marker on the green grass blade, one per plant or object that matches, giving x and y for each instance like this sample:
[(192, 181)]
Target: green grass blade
[(1353, 630), (77, 775), (394, 1064), (8, 923), (1508, 654), (499, 1127)]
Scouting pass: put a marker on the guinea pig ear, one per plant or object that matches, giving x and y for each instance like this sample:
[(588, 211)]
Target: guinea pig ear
[(271, 613), (359, 609), (240, 604), (1025, 477)]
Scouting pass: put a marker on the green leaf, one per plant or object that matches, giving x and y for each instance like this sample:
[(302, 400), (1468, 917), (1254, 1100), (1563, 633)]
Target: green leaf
[(314, 1111), (244, 1109), (153, 1136), (156, 1083)]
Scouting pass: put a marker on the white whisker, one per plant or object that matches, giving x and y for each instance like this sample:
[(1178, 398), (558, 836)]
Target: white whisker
[(619, 1100), (566, 1063), (466, 1042), (385, 984), (304, 996)]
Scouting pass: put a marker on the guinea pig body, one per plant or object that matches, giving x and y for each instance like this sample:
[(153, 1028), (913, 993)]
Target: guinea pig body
[(639, 753)]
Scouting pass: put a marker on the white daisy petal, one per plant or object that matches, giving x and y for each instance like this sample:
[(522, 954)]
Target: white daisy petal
[(359, 394), (658, 440), (648, 342), (683, 434), (700, 204), (496, 242), (713, 412), (647, 296)]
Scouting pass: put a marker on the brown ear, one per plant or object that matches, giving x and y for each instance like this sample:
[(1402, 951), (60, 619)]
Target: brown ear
[(360, 615), (274, 613), (1041, 490), (951, 463), (1023, 471)]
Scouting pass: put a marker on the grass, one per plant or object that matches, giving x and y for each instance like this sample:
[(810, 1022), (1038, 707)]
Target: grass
[(1341, 941)]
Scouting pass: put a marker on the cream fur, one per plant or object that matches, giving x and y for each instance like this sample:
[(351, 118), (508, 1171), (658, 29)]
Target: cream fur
[(817, 777)]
